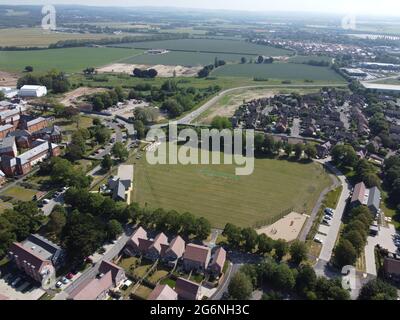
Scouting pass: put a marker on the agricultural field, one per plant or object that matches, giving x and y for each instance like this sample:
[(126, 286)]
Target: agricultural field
[(275, 186), (67, 60), (37, 37), (210, 45), (183, 58), (284, 71)]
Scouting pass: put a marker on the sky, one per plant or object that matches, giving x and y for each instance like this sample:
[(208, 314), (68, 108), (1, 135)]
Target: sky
[(368, 7)]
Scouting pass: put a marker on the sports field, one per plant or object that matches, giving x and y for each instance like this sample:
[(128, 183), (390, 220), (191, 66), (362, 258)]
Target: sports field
[(216, 193), (210, 45), (184, 58), (285, 71), (67, 60)]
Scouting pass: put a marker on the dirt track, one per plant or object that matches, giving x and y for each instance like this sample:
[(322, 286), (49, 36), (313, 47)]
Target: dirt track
[(72, 98)]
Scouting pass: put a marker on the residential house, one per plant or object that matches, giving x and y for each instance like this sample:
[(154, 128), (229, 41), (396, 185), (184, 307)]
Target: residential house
[(110, 276), (187, 290), (156, 247), (359, 194), (324, 149), (391, 267), (163, 292), (175, 250), (196, 258), (132, 247), (38, 258), (52, 134), (122, 183), (374, 200), (218, 262)]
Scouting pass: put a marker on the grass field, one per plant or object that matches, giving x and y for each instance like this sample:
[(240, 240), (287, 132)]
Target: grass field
[(210, 45), (183, 58), (285, 71), (216, 193), (67, 60), (37, 37), (20, 193)]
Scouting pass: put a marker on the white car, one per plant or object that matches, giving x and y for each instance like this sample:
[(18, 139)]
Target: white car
[(59, 284), (327, 222), (319, 240)]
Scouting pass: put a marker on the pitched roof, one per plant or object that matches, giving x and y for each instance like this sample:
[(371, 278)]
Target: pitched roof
[(219, 258), (196, 253), (374, 198), (163, 292), (160, 239), (106, 266), (177, 246), (392, 266), (93, 289), (139, 233), (359, 192), (187, 289), (7, 143)]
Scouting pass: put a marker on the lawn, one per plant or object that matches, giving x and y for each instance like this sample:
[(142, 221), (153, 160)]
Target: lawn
[(159, 274), (143, 292), (67, 60), (169, 282), (210, 45), (284, 71), (67, 125), (20, 193), (5, 206), (183, 58), (216, 193)]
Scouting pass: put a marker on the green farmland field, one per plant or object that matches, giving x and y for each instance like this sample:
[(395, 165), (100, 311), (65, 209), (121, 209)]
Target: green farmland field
[(216, 193), (183, 58), (284, 71), (68, 60), (210, 45)]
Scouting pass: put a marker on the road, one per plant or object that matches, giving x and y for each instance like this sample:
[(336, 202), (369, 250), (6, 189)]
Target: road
[(91, 273), (48, 208), (118, 138), (329, 242)]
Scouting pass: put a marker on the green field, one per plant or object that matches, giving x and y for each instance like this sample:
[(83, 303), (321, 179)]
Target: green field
[(184, 58), (216, 193), (20, 193), (210, 45), (67, 60), (37, 37), (285, 71)]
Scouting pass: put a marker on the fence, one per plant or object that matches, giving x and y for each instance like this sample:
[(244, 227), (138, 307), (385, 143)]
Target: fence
[(271, 220)]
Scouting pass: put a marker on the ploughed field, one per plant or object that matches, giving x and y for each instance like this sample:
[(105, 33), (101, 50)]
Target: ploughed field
[(216, 193)]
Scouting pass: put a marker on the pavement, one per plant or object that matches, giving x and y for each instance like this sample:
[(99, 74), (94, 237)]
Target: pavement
[(48, 208), (385, 239)]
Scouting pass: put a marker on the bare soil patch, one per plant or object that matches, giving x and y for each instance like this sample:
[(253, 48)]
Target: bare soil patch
[(74, 97), (164, 71), (8, 79)]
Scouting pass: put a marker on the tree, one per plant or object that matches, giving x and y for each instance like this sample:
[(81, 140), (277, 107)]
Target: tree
[(310, 150), (356, 239), (243, 60), (288, 149), (344, 155), (172, 107), (203, 229), (345, 253), (240, 287), (265, 244), (106, 163), (306, 280), (378, 290), (259, 142), (57, 220), (119, 151), (281, 249), (298, 252), (28, 69), (221, 123), (250, 238), (114, 229), (233, 234), (102, 134), (283, 278), (140, 129), (298, 151)]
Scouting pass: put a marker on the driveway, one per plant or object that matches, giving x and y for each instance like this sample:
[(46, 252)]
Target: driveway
[(385, 240)]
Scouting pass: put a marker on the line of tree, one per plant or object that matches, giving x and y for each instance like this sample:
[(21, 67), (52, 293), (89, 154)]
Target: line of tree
[(105, 100), (283, 282), (206, 70), (317, 63), (145, 73), (391, 172), (54, 80), (354, 236)]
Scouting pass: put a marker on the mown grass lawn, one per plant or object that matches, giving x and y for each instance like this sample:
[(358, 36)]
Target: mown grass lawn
[(216, 193), (20, 193), (159, 274)]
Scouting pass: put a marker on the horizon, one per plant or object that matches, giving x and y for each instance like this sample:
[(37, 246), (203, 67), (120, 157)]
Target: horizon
[(388, 8)]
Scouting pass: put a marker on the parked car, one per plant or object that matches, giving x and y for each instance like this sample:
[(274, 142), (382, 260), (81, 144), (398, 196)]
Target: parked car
[(64, 280), (15, 282), (327, 222), (318, 240), (59, 284), (70, 275), (46, 201), (327, 217)]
